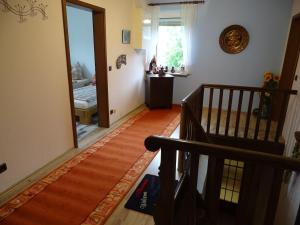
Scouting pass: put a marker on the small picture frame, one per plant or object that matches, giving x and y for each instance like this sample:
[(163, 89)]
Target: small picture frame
[(126, 36)]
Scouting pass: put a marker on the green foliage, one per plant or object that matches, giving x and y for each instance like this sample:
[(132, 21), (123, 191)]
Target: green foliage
[(170, 46), (175, 55)]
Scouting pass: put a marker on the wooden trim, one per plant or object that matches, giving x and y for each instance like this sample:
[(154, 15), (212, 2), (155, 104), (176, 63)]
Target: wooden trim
[(177, 3), (291, 55), (248, 194), (297, 136), (274, 197), (249, 112), (100, 62), (219, 110), (154, 143), (86, 5), (68, 58), (247, 143), (248, 88), (101, 67), (289, 65), (237, 124), (39, 174)]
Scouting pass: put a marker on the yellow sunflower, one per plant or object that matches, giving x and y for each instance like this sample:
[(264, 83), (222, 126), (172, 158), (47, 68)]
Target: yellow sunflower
[(268, 76)]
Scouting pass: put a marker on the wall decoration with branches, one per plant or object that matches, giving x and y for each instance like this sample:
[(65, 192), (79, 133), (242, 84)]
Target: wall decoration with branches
[(23, 10)]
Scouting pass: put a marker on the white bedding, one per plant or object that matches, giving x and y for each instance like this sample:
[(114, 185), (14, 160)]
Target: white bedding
[(85, 97), (80, 83)]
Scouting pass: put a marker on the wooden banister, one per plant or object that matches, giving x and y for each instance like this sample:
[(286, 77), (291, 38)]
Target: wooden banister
[(154, 143), (297, 136), (247, 88), (175, 210), (167, 183), (195, 101), (234, 125)]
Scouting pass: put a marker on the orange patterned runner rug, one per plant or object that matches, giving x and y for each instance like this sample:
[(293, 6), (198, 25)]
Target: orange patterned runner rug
[(87, 189)]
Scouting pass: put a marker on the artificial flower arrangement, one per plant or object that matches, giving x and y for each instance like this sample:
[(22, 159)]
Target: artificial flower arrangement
[(271, 82)]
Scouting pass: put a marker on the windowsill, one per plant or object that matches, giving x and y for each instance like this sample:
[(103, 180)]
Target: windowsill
[(179, 74)]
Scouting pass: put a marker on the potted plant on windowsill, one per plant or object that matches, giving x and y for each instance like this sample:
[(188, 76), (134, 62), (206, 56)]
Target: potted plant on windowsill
[(271, 82)]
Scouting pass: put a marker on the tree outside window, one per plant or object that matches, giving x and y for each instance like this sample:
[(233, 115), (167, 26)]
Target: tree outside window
[(169, 49)]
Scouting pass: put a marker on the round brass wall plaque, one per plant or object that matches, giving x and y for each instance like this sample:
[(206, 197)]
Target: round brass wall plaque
[(234, 39)]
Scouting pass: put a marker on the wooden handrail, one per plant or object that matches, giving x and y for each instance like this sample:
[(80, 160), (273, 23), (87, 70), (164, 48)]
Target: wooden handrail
[(247, 88), (195, 92), (194, 102), (154, 143)]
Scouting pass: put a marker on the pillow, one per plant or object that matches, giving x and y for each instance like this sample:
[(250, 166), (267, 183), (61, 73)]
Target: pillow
[(77, 73)]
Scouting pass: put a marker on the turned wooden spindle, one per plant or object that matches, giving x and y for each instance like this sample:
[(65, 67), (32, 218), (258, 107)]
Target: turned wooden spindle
[(297, 136)]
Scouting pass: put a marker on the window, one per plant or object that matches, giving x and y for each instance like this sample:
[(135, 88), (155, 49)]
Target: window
[(167, 35), (170, 43)]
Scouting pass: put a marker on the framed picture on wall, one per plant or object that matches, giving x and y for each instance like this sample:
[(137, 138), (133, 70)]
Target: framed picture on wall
[(126, 36)]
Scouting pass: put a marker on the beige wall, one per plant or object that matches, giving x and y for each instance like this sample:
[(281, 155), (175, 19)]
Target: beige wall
[(35, 118), (290, 194), (296, 7)]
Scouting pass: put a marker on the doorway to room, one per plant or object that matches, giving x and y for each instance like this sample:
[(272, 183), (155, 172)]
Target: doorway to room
[(84, 27)]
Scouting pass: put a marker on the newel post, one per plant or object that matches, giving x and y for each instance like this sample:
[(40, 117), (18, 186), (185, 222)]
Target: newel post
[(164, 213)]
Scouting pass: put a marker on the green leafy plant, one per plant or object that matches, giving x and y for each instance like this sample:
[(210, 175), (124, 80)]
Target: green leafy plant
[(271, 82)]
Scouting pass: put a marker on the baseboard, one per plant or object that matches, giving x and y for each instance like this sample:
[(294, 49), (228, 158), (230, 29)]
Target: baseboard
[(25, 183)]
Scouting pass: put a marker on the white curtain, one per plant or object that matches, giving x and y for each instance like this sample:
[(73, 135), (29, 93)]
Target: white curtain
[(150, 40), (189, 15)]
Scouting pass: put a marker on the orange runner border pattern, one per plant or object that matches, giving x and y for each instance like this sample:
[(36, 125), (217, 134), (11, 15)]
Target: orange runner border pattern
[(105, 207)]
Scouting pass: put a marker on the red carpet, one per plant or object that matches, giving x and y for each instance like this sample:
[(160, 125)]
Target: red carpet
[(86, 189)]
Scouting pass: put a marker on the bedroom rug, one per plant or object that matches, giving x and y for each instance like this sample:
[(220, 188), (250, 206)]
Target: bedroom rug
[(87, 189)]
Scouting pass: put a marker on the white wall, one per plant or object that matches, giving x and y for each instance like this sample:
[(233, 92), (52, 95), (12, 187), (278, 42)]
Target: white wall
[(35, 109), (81, 39), (267, 23)]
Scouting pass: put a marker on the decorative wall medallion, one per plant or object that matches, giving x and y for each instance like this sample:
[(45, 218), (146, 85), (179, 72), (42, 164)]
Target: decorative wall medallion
[(234, 39), (121, 60), (30, 8)]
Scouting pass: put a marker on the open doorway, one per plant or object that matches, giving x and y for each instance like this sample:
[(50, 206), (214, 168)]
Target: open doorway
[(84, 26)]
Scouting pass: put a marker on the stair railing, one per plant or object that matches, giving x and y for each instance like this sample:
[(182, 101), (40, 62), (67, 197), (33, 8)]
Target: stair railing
[(168, 211), (258, 133)]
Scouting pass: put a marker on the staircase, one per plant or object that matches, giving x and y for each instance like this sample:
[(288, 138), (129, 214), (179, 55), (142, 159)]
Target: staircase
[(243, 155)]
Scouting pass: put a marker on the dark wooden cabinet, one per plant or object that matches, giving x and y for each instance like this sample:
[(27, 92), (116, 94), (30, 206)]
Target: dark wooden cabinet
[(159, 91)]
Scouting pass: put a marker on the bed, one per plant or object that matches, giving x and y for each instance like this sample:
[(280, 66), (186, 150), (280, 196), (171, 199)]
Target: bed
[(85, 103)]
